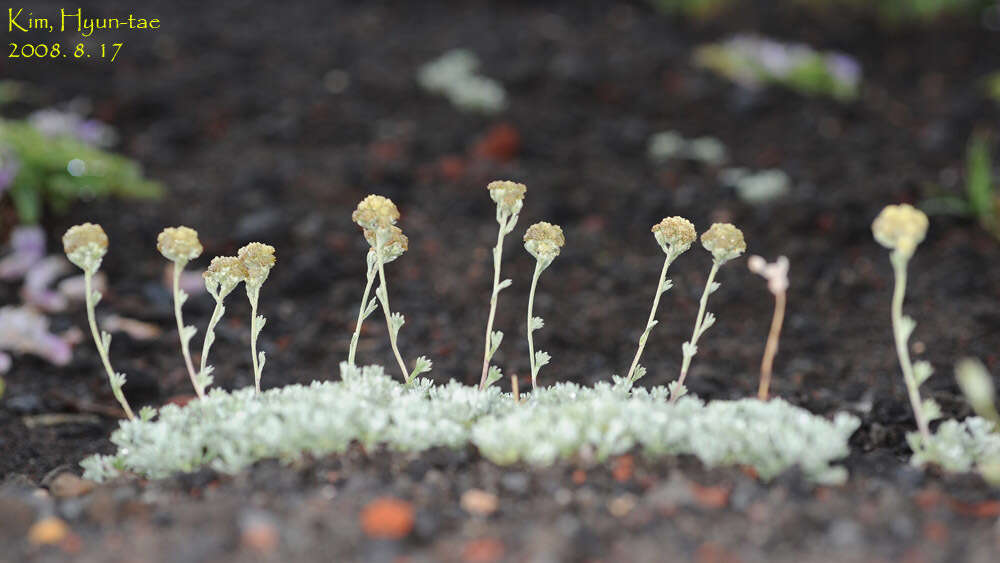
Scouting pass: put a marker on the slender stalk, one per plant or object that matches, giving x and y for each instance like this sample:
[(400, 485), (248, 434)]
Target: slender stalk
[(210, 333), (361, 315), (253, 294), (531, 306), (771, 348), (514, 389), (652, 315), (99, 342), (185, 342), (898, 294), (689, 353), (497, 253), (384, 290)]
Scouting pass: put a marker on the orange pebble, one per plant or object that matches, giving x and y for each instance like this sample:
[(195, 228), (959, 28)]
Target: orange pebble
[(387, 518), (48, 531)]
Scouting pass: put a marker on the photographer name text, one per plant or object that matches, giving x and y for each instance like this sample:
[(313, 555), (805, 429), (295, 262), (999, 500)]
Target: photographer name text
[(22, 21)]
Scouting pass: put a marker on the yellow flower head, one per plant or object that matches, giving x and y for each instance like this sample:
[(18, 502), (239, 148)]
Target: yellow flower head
[(376, 213), (258, 259), (179, 244), (85, 246), (724, 241), (224, 274), (674, 234), (392, 247), (508, 195), (543, 240), (900, 227)]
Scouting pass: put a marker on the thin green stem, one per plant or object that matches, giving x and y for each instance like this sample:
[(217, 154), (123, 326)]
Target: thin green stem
[(210, 333), (361, 315), (497, 253), (253, 294), (88, 280), (899, 292), (384, 290), (531, 307), (185, 342), (690, 351), (652, 315)]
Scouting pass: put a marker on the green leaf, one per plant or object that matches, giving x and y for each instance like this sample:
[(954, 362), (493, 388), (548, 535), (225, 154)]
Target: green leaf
[(259, 325), (706, 323), (370, 308), (421, 365), (495, 339), (396, 322), (204, 378), (28, 202), (188, 333), (493, 376), (979, 180), (906, 326), (931, 410), (639, 373), (922, 370), (117, 380), (667, 285), (541, 359)]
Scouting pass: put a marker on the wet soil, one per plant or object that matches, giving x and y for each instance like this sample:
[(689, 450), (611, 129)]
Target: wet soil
[(228, 106)]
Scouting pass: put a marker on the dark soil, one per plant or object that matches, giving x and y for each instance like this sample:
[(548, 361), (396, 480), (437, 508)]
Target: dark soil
[(227, 106)]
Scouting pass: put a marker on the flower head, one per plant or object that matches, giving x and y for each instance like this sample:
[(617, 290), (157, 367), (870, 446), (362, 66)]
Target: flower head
[(224, 274), (674, 234), (85, 246), (724, 241), (257, 258), (900, 227), (179, 244), (393, 246), (508, 195), (376, 213), (543, 240)]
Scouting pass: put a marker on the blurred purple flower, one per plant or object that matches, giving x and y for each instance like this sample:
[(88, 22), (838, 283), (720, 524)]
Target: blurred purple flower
[(27, 247), (54, 123), (24, 330), (37, 281), (844, 68), (5, 362), (9, 166)]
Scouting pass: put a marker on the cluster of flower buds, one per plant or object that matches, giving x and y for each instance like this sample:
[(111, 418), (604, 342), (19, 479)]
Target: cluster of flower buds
[(85, 246), (544, 241), (257, 259), (900, 228), (508, 195), (179, 244), (376, 213), (223, 275), (394, 244), (724, 241), (674, 235)]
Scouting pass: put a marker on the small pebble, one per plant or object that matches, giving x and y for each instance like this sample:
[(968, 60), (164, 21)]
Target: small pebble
[(48, 531), (479, 502), (258, 531), (68, 485)]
